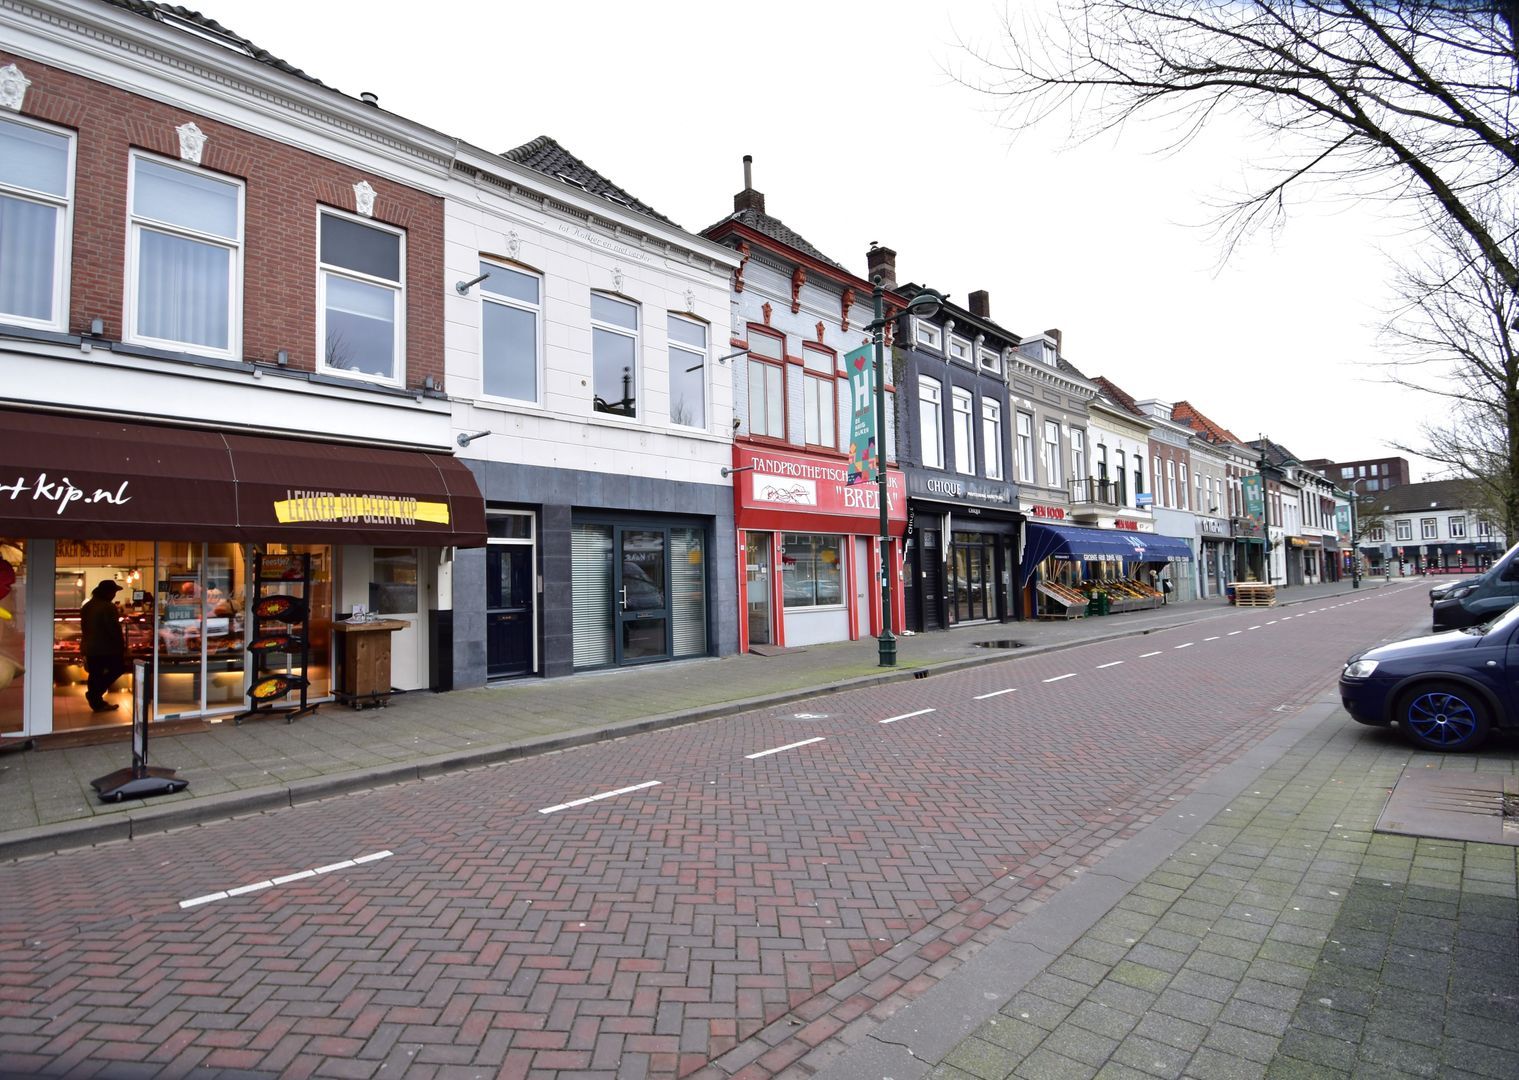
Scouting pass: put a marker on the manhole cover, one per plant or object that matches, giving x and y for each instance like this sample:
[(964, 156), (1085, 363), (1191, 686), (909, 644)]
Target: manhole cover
[(1453, 805), (1004, 644)]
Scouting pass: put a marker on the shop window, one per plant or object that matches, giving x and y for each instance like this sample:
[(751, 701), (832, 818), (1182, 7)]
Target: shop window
[(360, 297), (393, 585), (812, 573), (12, 633), (819, 405), (185, 278), (931, 422), (688, 372), (767, 385), (962, 408), (688, 591), (614, 356), (991, 438), (510, 316), (36, 185)]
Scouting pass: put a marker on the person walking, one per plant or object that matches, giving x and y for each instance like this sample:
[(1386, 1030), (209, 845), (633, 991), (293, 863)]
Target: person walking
[(105, 645)]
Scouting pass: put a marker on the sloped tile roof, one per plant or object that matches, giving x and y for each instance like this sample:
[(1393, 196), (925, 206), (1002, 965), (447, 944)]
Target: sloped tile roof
[(1183, 412), (213, 30), (546, 156), (1119, 397), (1429, 495), (778, 231)]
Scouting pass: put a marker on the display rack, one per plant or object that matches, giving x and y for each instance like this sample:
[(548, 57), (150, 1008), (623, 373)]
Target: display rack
[(280, 610)]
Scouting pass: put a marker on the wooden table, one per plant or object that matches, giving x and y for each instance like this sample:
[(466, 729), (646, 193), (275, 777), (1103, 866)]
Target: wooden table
[(365, 668)]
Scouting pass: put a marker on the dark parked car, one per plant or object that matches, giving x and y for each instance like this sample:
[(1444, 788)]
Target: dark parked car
[(1472, 602), (1446, 691), (1445, 588)]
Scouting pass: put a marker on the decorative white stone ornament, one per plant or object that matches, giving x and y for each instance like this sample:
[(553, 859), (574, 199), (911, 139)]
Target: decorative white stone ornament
[(13, 87), (691, 301), (617, 279), (363, 198), (513, 243), (192, 143)]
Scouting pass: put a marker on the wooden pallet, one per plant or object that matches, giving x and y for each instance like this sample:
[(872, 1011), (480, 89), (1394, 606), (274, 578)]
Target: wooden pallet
[(1255, 596)]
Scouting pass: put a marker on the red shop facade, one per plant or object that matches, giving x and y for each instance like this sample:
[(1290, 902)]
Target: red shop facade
[(808, 556)]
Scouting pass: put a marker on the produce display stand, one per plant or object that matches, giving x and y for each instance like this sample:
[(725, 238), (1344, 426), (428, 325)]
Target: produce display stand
[(280, 610), (1062, 601), (140, 780), (365, 675)]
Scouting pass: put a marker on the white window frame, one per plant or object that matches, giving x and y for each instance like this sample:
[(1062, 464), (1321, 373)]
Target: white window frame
[(1078, 454), (991, 360), (135, 227), (961, 350), (962, 406), (398, 288), (687, 349), (766, 362), (1053, 454), (640, 385), (1429, 528), (63, 229), (931, 426), (1181, 485), (1403, 530), (1155, 475), (991, 437), (927, 336), (1376, 534), (1484, 527), (1023, 447), (829, 378), (488, 297)]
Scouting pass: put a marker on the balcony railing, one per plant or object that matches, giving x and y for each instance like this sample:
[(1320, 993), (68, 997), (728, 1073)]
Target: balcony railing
[(1090, 491)]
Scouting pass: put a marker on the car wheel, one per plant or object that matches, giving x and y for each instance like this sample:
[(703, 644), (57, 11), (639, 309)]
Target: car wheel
[(1443, 716)]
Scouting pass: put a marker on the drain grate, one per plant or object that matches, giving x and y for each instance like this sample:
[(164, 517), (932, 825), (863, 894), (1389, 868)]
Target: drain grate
[(1451, 805), (1004, 644)]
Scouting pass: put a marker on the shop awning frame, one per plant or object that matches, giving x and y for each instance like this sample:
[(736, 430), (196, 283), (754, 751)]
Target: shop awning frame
[(1042, 542), (82, 477)]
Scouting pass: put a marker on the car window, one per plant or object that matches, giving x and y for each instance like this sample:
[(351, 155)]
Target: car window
[(1503, 625)]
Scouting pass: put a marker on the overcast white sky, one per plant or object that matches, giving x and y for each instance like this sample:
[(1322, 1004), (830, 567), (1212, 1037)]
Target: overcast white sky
[(858, 134)]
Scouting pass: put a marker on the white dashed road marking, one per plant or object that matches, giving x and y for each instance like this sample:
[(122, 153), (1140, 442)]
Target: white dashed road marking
[(1145, 654), (1067, 675), (788, 746), (1112, 663), (995, 693), (597, 798), (1188, 645), (259, 886), (904, 716), (1213, 638), (1233, 632)]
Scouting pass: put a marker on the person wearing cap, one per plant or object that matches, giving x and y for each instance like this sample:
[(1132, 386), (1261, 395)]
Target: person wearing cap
[(105, 644)]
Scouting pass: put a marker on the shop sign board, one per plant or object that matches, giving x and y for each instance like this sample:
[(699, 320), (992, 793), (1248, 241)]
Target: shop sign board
[(958, 489), (864, 456), (1143, 499), (786, 481)]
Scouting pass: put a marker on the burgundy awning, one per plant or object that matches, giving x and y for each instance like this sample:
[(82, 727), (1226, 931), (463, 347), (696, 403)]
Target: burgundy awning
[(81, 477)]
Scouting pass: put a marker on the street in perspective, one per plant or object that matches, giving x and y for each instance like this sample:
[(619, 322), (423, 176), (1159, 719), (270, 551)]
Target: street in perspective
[(975, 541)]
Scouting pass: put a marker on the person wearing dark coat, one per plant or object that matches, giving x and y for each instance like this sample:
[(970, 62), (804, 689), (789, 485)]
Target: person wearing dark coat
[(105, 644)]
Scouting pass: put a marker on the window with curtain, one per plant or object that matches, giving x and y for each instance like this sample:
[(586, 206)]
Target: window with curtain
[(767, 385), (614, 356), (1052, 454), (360, 275), (931, 421), (1025, 448), (962, 408), (991, 438), (510, 313), (36, 179), (688, 372), (819, 405), (185, 276)]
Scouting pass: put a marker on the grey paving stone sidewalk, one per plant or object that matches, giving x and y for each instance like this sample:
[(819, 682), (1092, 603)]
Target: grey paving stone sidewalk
[(1287, 939)]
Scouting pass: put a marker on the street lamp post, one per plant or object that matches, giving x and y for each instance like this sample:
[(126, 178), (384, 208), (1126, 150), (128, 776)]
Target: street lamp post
[(925, 304), (1355, 539), (1265, 516)]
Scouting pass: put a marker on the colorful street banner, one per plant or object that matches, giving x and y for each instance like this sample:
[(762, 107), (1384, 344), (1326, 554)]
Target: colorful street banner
[(1342, 523), (1255, 505), (864, 455)]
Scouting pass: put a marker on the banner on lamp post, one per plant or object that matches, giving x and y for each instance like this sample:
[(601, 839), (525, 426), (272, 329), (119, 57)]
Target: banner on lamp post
[(1255, 502), (864, 455)]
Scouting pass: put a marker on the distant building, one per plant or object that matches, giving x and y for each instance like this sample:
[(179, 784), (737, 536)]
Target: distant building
[(1375, 474), (1434, 526)]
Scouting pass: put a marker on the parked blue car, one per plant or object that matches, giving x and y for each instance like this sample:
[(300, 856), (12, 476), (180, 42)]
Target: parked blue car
[(1446, 691)]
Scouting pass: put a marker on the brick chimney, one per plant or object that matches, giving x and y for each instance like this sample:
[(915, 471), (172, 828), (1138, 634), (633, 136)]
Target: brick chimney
[(881, 261), (981, 304), (749, 199), (1054, 335)]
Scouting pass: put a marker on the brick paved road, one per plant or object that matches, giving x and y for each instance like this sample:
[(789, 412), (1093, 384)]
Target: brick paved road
[(741, 914)]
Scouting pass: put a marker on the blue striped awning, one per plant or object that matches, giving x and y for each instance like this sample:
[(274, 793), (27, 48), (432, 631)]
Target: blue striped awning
[(1073, 542)]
